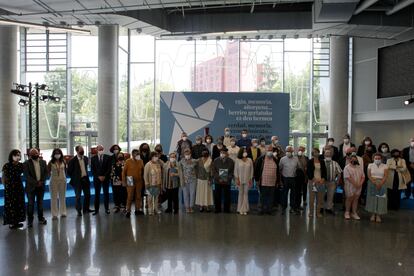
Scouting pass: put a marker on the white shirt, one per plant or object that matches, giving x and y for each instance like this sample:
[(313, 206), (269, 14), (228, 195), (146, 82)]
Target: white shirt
[(377, 171)]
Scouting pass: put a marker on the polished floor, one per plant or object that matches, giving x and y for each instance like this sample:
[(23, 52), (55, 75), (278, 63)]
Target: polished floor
[(210, 244)]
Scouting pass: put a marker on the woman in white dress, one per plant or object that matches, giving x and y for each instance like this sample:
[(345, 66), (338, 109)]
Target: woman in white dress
[(243, 173), (204, 194)]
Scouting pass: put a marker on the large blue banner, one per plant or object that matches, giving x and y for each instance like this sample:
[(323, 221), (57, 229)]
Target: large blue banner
[(262, 114)]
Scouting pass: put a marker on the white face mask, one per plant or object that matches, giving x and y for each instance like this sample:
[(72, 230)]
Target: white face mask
[(328, 158), (300, 153), (274, 154), (384, 150), (275, 142), (269, 154), (222, 155), (115, 151), (208, 141), (377, 162), (57, 156), (244, 135), (263, 143), (172, 160), (137, 157), (330, 143), (16, 158), (154, 159), (187, 157), (346, 141), (232, 143), (254, 145), (367, 143), (227, 133), (100, 152), (244, 154), (412, 144), (185, 138), (289, 154)]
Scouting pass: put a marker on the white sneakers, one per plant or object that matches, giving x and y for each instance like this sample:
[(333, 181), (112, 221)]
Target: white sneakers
[(353, 215)]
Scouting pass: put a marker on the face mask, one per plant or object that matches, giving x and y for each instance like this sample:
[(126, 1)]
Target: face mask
[(172, 160), (254, 145), (412, 144), (100, 152), (354, 162), (223, 155), (377, 162), (274, 154), (396, 156), (187, 157), (121, 159), (300, 153), (275, 142), (145, 149), (244, 135), (116, 151), (184, 138), (208, 141), (35, 157), (330, 143), (232, 143), (81, 153), (158, 150), (244, 154), (16, 158), (328, 158), (263, 143), (346, 141), (289, 154), (57, 156), (198, 142), (384, 150), (205, 155), (137, 157), (367, 143), (269, 154), (227, 133), (154, 159)]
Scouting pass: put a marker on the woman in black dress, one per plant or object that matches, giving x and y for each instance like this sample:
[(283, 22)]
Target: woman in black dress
[(14, 207)]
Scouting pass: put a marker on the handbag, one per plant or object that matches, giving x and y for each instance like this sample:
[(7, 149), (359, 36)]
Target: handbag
[(406, 176)]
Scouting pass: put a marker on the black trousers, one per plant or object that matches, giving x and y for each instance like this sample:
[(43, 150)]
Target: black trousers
[(85, 187), (105, 187), (394, 194), (219, 190), (289, 183), (266, 198), (302, 185), (32, 196), (172, 197), (120, 195)]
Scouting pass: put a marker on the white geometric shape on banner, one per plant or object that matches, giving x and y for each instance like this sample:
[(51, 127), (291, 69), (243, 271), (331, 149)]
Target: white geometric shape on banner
[(167, 97), (207, 110), (220, 106), (180, 104), (190, 124), (175, 137)]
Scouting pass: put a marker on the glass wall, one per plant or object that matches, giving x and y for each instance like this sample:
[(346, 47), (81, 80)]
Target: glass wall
[(148, 65)]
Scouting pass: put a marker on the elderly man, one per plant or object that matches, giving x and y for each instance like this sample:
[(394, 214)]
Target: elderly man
[(35, 172), (265, 174), (333, 171), (223, 174), (277, 148), (287, 167), (101, 165)]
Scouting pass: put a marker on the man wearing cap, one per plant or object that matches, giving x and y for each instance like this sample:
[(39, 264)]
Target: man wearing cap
[(101, 165), (223, 174), (35, 172)]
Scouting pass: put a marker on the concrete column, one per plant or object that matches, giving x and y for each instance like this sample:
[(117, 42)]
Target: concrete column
[(338, 94), (8, 103), (108, 85)]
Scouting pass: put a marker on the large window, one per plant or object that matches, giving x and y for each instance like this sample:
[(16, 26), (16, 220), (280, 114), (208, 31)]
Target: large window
[(147, 66)]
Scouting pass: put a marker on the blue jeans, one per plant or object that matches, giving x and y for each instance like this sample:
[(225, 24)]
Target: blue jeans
[(189, 191)]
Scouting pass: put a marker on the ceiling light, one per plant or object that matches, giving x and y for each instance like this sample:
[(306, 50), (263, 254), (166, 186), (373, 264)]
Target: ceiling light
[(270, 37), (257, 37), (36, 25), (244, 37), (20, 92), (23, 102), (283, 36), (189, 38), (203, 38), (231, 38), (296, 36), (409, 101), (44, 98), (218, 37)]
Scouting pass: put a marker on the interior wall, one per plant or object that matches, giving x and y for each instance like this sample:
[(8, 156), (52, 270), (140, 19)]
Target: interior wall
[(384, 119)]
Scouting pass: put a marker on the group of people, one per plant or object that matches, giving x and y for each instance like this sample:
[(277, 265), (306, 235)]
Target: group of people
[(202, 174)]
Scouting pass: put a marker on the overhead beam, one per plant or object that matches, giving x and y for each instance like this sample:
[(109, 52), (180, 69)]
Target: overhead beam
[(364, 5), (401, 5)]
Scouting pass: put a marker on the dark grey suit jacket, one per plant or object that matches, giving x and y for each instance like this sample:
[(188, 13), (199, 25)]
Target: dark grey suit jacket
[(30, 174)]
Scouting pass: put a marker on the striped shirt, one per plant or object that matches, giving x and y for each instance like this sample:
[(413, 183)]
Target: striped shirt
[(332, 170)]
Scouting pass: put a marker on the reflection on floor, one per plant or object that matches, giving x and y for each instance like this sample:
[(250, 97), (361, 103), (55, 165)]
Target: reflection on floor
[(209, 244)]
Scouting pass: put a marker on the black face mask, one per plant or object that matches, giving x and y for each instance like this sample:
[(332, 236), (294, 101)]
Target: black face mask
[(205, 155), (355, 163), (158, 150), (396, 156), (35, 157), (81, 153), (120, 159)]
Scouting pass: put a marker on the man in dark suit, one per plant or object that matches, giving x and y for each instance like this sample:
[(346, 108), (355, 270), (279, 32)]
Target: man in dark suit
[(408, 155), (343, 148), (335, 151), (35, 171), (78, 172), (101, 165)]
